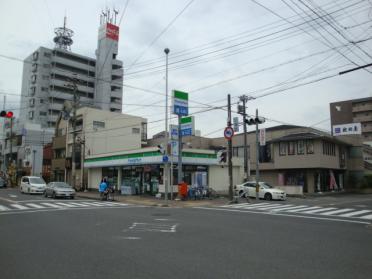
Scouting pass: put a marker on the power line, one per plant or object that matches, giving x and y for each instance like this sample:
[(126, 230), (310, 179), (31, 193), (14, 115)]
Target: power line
[(160, 34)]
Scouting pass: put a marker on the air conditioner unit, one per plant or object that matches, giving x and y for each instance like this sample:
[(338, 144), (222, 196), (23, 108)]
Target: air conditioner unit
[(26, 163)]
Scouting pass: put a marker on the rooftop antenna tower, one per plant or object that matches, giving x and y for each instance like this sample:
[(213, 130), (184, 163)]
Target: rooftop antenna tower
[(63, 37)]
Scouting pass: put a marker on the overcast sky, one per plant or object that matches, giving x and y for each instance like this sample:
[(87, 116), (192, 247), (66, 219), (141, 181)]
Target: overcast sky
[(216, 47)]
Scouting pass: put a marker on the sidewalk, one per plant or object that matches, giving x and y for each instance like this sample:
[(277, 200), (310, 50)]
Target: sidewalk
[(152, 201)]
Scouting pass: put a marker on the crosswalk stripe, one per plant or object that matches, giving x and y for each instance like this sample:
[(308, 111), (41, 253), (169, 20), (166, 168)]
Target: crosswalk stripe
[(291, 208), (355, 213), (303, 209), (65, 204), (51, 205), (275, 207), (93, 203), (34, 205), (18, 206), (269, 206), (367, 217), (78, 204), (318, 210), (337, 211), (284, 208), (4, 208), (246, 205)]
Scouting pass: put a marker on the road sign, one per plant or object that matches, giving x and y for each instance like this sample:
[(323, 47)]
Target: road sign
[(228, 133), (174, 132), (165, 158), (262, 137), (174, 147), (180, 103)]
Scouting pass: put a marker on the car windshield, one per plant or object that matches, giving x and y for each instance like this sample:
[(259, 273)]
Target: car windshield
[(36, 180), (61, 185), (266, 185)]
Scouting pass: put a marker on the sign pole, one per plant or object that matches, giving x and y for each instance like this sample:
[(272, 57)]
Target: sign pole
[(257, 160), (180, 176)]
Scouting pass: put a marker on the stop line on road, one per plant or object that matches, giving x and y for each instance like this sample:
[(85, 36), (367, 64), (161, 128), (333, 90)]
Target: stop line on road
[(303, 209), (17, 207)]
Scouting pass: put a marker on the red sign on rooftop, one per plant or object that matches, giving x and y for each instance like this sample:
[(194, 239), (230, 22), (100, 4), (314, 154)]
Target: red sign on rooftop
[(112, 32)]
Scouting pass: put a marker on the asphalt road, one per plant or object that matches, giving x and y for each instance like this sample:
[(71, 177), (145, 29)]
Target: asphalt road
[(153, 242)]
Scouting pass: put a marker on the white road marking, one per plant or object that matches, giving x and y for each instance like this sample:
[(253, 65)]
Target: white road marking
[(12, 196), (153, 227), (367, 217), (359, 212), (50, 205), (319, 210), (65, 204), (34, 205), (18, 206), (4, 208), (78, 204), (303, 209), (286, 215), (246, 205), (275, 207), (290, 208), (94, 203), (337, 211)]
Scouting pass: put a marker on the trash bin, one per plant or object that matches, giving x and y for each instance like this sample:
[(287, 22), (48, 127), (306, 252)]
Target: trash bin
[(182, 190)]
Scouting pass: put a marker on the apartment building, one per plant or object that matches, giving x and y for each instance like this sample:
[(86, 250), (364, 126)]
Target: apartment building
[(48, 74)]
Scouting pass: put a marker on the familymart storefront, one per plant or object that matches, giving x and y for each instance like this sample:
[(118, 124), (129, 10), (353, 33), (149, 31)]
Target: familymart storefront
[(142, 171)]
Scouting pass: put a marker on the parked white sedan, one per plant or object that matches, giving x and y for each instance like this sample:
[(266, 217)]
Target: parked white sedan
[(266, 191)]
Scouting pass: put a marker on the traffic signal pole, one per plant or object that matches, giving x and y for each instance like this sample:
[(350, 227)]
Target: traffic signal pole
[(257, 159), (229, 142)]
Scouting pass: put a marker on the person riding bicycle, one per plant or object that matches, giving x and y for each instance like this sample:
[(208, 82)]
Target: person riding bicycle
[(102, 186)]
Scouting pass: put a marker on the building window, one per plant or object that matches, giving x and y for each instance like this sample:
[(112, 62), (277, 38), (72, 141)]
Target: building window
[(309, 147), (45, 77), (32, 91), (98, 124), (35, 55), (41, 101), (300, 147), (47, 54), (34, 67), (43, 113), (33, 78), (282, 148), (44, 88), (291, 148), (32, 102), (30, 114), (136, 130)]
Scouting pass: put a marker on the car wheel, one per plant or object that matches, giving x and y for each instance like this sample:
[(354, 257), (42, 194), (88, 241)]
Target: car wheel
[(28, 190), (21, 190), (268, 197), (54, 195), (45, 194), (242, 194), (72, 197)]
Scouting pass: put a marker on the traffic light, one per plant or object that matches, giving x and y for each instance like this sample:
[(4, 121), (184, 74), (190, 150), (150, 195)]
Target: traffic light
[(6, 114), (161, 149), (221, 156), (254, 121)]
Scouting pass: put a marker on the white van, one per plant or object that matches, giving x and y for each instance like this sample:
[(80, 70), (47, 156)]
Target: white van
[(32, 185)]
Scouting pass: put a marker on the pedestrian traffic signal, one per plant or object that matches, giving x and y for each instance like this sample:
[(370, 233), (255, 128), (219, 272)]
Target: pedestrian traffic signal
[(6, 114), (254, 121)]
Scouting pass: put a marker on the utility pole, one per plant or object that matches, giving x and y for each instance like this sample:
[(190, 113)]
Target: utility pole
[(242, 111), (11, 140), (257, 158), (231, 194), (73, 86), (166, 165)]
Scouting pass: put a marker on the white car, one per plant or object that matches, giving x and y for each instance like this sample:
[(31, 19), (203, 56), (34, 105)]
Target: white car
[(266, 191), (32, 185)]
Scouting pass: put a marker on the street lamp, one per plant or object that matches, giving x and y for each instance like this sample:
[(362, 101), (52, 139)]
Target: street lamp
[(166, 171)]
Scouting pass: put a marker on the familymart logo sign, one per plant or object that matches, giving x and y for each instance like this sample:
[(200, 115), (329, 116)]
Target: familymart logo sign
[(180, 102)]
